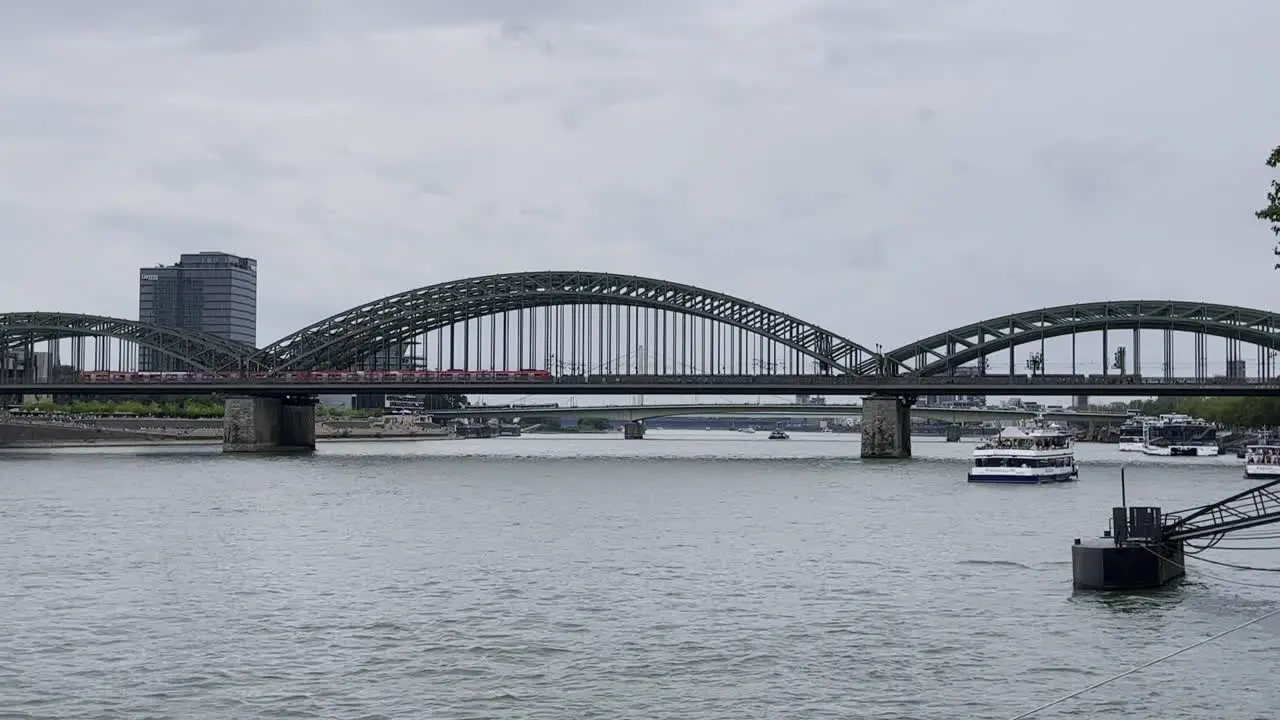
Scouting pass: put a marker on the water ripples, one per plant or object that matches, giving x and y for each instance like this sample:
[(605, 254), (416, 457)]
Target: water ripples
[(398, 581)]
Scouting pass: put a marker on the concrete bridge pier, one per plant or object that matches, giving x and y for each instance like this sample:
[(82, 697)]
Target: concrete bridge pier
[(269, 424), (633, 430), (886, 426)]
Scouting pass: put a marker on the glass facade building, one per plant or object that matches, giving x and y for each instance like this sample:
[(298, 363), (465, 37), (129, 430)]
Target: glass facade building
[(213, 292)]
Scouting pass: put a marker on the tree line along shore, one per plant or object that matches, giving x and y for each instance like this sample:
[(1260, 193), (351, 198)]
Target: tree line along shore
[(1244, 412)]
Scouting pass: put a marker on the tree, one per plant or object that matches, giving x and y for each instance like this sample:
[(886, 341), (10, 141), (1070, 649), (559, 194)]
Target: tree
[(1230, 411), (593, 423), (184, 408), (1271, 213), (444, 401)]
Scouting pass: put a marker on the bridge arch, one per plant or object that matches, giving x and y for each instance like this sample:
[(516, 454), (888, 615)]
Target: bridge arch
[(347, 338), (201, 350), (939, 354)]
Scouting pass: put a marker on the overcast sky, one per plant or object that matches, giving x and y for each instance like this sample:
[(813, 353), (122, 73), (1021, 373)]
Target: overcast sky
[(887, 169)]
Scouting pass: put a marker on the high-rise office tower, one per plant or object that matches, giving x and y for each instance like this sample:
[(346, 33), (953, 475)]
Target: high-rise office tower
[(213, 292)]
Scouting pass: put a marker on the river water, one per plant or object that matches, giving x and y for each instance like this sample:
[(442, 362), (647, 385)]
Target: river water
[(689, 575)]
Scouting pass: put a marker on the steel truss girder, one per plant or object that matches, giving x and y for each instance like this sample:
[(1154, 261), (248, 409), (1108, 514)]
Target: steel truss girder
[(1256, 506), (941, 353), (201, 350), (342, 340)]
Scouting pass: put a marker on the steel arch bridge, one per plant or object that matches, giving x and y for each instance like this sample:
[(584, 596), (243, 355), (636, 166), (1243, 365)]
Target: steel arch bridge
[(202, 350), (344, 340), (942, 353)]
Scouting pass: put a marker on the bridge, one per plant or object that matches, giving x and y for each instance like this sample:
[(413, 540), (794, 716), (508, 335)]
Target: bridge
[(639, 413), (611, 334), (909, 387)]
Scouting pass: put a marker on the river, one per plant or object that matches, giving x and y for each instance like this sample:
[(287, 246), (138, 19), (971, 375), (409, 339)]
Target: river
[(689, 575)]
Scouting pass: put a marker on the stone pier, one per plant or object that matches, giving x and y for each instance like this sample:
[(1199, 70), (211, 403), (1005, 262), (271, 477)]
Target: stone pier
[(886, 427), (269, 424), (633, 430)]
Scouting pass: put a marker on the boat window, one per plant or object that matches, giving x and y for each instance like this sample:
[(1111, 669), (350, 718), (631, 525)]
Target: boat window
[(1263, 455)]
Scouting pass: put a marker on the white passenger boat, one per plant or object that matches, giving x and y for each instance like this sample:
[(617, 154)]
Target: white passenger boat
[(1179, 435), (1131, 437), (1262, 462), (1031, 453)]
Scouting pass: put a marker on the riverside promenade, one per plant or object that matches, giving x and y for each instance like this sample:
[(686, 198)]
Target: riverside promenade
[(124, 432)]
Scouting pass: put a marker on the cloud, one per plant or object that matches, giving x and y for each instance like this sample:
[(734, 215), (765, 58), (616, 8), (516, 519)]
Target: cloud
[(860, 164)]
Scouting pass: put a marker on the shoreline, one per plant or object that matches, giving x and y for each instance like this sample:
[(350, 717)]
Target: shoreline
[(196, 441)]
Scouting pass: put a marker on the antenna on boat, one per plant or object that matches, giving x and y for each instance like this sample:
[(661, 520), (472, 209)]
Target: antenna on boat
[(1123, 498)]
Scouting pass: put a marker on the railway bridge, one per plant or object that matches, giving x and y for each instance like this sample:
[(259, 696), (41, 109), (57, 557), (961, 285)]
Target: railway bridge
[(606, 333)]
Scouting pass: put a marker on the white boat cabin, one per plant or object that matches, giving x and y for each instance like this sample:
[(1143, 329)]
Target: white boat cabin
[(1033, 440), (1262, 455)]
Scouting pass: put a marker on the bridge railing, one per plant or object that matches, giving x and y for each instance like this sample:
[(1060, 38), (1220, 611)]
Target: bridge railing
[(543, 377), (1256, 506), (910, 380)]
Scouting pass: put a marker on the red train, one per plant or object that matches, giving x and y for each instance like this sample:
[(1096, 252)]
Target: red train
[(326, 376)]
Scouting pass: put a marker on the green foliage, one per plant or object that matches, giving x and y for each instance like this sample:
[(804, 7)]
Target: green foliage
[(1271, 213), (186, 408), (1158, 406), (1252, 412), (1235, 412), (593, 423), (329, 412), (444, 401)]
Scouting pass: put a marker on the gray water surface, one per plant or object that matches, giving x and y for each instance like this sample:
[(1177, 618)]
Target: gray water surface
[(689, 575)]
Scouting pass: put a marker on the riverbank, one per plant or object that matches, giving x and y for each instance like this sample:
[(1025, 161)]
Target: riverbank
[(204, 440), (127, 432)]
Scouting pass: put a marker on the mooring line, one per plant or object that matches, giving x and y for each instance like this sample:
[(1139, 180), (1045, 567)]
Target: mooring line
[(1146, 665)]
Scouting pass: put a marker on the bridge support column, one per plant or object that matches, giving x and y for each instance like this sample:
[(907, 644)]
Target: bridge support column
[(633, 430), (886, 427), (269, 424)]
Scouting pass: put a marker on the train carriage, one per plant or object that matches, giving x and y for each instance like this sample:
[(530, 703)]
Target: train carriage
[(322, 376)]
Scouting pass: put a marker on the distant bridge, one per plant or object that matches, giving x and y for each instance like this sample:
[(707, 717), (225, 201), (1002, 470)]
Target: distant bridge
[(910, 386), (907, 387), (580, 323), (599, 333), (631, 413)]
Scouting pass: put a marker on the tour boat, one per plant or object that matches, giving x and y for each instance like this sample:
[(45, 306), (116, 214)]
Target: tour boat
[(1179, 435), (1262, 461), (1131, 438), (1031, 453)]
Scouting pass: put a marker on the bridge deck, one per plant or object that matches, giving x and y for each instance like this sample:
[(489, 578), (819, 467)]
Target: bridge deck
[(695, 409), (688, 385)]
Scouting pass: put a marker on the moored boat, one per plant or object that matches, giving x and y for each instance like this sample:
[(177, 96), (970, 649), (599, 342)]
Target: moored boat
[(1131, 437), (1180, 435), (1262, 461), (1031, 453)]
